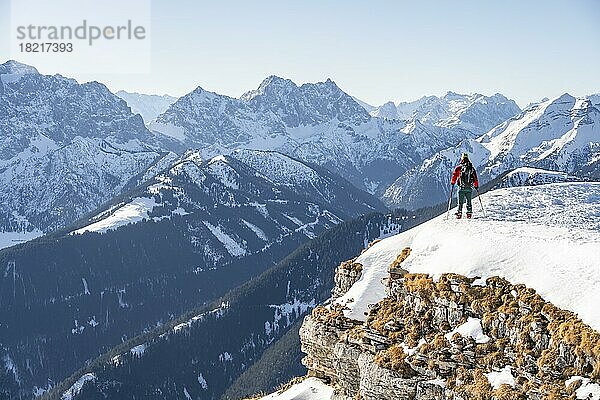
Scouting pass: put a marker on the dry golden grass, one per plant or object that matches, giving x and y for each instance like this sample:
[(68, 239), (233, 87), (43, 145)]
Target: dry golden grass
[(351, 265), (393, 358), (400, 258)]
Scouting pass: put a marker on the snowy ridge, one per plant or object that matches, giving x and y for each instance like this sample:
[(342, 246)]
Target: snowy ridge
[(546, 237)]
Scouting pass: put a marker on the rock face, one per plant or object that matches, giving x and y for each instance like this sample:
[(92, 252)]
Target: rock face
[(451, 338)]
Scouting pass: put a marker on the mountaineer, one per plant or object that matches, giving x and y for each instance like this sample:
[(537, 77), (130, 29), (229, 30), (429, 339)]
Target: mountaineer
[(466, 177)]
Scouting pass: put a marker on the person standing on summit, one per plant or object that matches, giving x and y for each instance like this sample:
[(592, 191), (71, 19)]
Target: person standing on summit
[(466, 177)]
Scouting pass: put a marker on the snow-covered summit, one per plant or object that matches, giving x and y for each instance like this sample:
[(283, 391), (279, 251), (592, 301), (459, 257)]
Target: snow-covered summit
[(272, 85), (546, 237), (15, 67), (386, 111)]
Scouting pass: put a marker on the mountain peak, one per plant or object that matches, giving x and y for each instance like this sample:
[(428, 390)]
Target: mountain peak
[(272, 84), (564, 97), (386, 111), (11, 71), (450, 95), (15, 67), (276, 81)]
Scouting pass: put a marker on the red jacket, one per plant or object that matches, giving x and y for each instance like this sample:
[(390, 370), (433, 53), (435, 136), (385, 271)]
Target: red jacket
[(456, 176)]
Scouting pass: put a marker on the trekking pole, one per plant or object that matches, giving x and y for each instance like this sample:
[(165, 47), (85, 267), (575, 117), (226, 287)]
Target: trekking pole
[(480, 202), (449, 201)]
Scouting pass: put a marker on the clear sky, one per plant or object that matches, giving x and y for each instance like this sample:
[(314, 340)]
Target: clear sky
[(376, 50)]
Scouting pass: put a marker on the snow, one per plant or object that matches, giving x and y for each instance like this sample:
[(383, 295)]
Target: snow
[(257, 231), (533, 171), (285, 310), (526, 176), (77, 386), (438, 382), (470, 329), (220, 169), (8, 239), (139, 350), (230, 244), (587, 390), (130, 213), (308, 389), (149, 106), (12, 71), (412, 350), (86, 290), (502, 377), (278, 168), (9, 366), (202, 381), (168, 130), (546, 237)]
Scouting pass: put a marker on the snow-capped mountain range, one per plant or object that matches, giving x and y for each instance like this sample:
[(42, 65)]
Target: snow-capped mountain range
[(475, 113), (320, 123), (65, 149), (184, 237), (560, 134), (149, 106)]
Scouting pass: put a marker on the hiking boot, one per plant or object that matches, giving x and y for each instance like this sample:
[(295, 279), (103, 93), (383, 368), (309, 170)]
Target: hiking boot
[(458, 215), (469, 215)]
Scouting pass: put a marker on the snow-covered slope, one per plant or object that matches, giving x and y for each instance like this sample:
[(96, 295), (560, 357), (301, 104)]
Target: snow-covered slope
[(526, 176), (149, 106), (308, 389), (65, 148), (319, 123), (546, 237), (561, 134)]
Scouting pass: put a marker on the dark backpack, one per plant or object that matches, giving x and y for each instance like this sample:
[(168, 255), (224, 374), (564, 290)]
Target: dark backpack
[(466, 175)]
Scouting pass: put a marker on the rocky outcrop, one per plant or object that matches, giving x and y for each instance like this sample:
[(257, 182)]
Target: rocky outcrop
[(345, 276), (450, 338)]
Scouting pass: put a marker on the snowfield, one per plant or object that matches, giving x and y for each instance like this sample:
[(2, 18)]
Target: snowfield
[(308, 389), (130, 213), (8, 239), (546, 237)]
